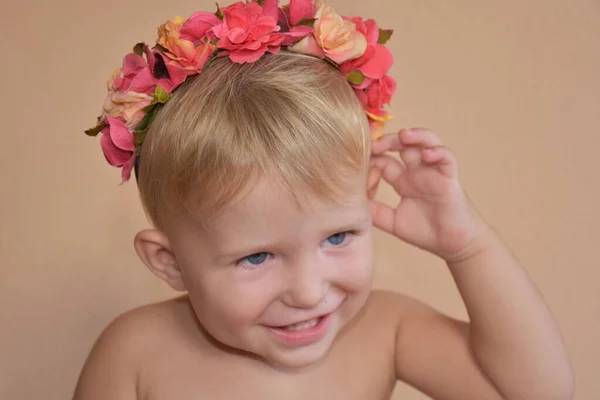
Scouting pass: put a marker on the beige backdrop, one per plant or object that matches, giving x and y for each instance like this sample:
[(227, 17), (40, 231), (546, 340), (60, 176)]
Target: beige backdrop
[(511, 86)]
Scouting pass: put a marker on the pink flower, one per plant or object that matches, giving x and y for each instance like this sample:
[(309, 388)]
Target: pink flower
[(376, 95), (127, 106), (295, 34), (182, 52), (118, 146), (247, 33), (333, 37), (289, 16), (142, 75), (300, 9), (270, 8), (377, 59), (132, 66), (198, 27), (373, 98)]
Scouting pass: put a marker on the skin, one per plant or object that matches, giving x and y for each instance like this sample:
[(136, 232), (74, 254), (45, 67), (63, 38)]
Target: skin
[(184, 349)]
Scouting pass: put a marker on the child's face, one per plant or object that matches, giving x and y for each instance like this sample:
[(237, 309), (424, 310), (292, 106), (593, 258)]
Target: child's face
[(267, 263)]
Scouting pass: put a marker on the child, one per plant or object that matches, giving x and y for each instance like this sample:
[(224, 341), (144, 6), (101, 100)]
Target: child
[(250, 131)]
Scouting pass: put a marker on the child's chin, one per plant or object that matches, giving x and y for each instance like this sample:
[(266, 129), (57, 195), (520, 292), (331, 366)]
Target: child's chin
[(299, 358)]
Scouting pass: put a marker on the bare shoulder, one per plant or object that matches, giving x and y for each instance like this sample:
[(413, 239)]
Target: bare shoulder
[(113, 367), (373, 334), (383, 315), (432, 350), (399, 307), (412, 319), (408, 321), (393, 306), (138, 330)]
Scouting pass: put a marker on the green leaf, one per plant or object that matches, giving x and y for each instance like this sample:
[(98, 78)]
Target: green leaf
[(139, 49), (356, 77), (219, 13), (149, 108), (145, 124), (138, 139), (161, 96), (306, 22), (210, 60), (96, 130), (384, 35)]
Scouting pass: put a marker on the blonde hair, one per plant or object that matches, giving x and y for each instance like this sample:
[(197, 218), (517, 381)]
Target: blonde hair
[(289, 116)]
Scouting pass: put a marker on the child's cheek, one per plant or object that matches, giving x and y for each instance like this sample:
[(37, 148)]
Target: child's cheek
[(355, 265)]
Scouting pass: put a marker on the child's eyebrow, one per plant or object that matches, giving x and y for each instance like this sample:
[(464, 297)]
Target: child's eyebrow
[(227, 255), (350, 225)]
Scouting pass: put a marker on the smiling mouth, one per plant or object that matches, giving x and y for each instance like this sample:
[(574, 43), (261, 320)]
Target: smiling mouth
[(301, 325), (305, 332)]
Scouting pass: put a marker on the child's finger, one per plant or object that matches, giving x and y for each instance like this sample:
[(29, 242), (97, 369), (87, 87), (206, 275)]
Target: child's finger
[(443, 158), (388, 142), (411, 156), (419, 137), (391, 169), (383, 216)]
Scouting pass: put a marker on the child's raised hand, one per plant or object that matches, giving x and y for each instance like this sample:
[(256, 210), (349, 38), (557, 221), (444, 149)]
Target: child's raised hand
[(434, 212)]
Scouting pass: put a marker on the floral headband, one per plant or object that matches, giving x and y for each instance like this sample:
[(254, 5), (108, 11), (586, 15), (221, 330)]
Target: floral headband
[(244, 32)]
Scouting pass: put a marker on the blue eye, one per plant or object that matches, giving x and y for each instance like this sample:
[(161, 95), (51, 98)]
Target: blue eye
[(337, 239), (256, 259)]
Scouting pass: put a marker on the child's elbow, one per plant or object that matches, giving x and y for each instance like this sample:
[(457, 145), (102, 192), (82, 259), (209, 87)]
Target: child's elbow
[(565, 383), (566, 390), (560, 387), (559, 382)]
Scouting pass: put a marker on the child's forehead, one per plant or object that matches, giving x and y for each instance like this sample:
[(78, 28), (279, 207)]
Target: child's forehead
[(268, 204)]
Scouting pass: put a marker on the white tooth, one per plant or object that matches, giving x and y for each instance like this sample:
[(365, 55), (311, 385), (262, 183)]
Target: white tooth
[(302, 325)]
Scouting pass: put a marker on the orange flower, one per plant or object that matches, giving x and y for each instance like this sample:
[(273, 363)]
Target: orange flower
[(183, 52)]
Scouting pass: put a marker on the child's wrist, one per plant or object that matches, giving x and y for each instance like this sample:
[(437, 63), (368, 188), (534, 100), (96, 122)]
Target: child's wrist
[(484, 240)]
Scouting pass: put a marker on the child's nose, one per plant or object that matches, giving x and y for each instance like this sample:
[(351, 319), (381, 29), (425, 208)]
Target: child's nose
[(307, 284)]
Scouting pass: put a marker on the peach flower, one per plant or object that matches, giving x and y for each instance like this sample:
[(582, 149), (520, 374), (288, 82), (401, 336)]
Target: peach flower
[(126, 106), (333, 37), (377, 59)]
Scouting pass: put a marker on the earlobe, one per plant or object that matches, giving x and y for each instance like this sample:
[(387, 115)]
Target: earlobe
[(373, 179), (152, 246)]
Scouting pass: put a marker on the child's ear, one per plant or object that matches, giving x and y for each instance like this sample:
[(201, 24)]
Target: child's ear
[(373, 179), (152, 246)]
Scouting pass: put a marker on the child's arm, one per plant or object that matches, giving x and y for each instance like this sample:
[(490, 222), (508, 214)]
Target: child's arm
[(512, 348)]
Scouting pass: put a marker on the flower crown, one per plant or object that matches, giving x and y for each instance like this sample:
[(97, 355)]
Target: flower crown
[(244, 32)]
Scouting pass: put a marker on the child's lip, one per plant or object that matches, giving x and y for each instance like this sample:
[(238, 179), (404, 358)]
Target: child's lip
[(304, 336), (305, 319), (298, 322)]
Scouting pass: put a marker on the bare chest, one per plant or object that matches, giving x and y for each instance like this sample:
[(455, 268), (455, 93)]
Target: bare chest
[(347, 384), (357, 372)]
